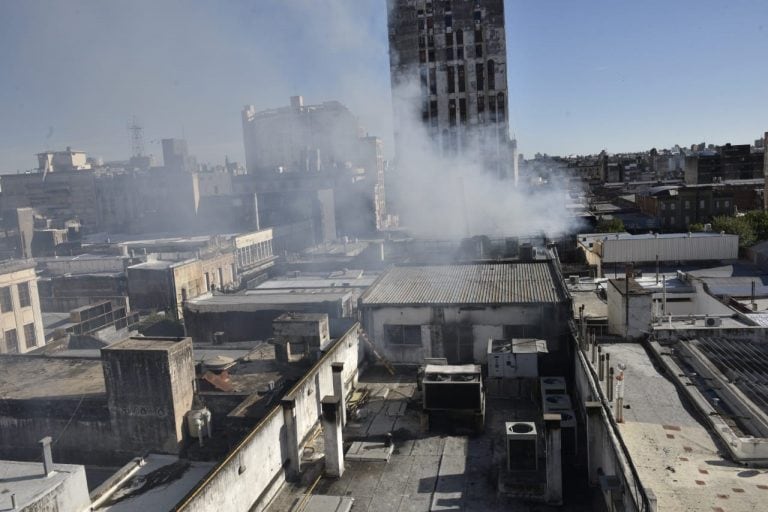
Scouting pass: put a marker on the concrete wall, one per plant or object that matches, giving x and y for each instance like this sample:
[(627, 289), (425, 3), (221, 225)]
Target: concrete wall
[(250, 476), (640, 312), (83, 265), (153, 385), (220, 271)]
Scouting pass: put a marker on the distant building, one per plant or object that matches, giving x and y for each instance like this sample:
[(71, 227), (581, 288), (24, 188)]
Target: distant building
[(676, 208), (728, 162), (176, 156), (299, 138), (20, 316), (456, 53), (68, 160)]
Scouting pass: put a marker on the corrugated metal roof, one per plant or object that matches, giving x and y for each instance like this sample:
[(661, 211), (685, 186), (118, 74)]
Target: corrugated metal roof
[(494, 283)]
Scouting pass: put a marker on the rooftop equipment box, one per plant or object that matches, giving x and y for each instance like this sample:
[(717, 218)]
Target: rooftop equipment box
[(453, 388), (522, 446), (516, 358)]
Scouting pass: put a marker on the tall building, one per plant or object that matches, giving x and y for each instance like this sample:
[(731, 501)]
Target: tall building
[(448, 67)]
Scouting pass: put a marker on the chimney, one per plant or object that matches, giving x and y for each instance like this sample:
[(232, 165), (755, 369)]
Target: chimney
[(47, 458), (297, 101)]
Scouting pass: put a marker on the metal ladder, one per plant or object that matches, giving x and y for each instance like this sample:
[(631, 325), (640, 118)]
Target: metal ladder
[(384, 361)]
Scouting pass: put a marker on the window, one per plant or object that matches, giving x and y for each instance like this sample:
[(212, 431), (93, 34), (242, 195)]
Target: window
[(403, 334), (462, 79), (449, 53), (24, 300), (432, 81), (491, 75), (448, 21), (492, 108), (687, 205), (671, 206), (478, 15), (433, 112), (701, 204), (451, 79), (662, 206), (717, 204), (11, 342), (727, 203), (478, 51), (422, 56), (459, 38), (6, 303), (460, 53), (480, 107), (500, 106), (480, 74), (463, 111), (452, 112), (30, 339)]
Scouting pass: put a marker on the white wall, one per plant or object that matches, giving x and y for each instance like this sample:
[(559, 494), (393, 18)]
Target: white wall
[(487, 322), (253, 472)]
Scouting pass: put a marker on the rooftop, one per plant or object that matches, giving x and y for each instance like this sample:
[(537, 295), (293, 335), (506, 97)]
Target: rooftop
[(158, 484), (259, 301), (672, 448), (491, 283), (443, 469), (28, 482), (29, 377), (141, 343)]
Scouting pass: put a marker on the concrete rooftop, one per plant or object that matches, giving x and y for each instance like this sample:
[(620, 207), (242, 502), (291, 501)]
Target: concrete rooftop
[(675, 454), (27, 377), (445, 469)]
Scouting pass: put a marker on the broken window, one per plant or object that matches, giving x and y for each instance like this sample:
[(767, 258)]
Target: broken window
[(451, 79), (402, 334), (462, 79), (492, 109), (480, 76), (491, 75), (480, 107), (432, 81), (463, 111), (30, 339)]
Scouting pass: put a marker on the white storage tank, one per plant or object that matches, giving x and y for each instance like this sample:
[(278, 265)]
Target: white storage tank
[(199, 423)]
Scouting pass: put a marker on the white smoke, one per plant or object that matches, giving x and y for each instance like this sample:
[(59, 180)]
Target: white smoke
[(441, 196)]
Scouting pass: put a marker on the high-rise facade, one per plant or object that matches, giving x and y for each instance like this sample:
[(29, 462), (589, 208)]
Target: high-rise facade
[(448, 67)]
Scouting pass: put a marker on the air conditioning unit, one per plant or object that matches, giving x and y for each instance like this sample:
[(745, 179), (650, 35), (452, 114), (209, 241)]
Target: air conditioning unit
[(552, 386), (522, 446), (574, 280), (453, 388), (556, 403), (713, 322)]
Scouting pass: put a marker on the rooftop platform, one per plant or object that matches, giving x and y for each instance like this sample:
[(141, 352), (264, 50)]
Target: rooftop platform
[(27, 481), (446, 468), (672, 447), (30, 377)]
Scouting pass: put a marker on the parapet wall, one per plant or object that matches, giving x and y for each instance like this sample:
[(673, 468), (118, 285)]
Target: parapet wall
[(250, 476)]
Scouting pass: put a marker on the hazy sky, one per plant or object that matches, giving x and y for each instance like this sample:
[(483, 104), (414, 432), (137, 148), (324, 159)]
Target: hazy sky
[(583, 75)]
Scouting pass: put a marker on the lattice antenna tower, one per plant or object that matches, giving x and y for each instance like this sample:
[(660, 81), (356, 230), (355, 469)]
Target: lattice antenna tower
[(137, 137)]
